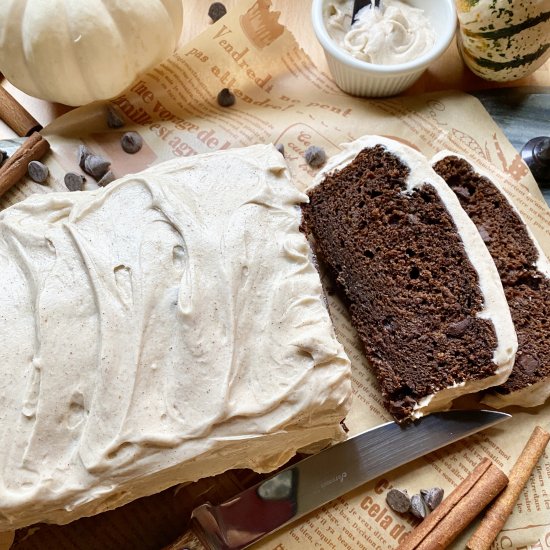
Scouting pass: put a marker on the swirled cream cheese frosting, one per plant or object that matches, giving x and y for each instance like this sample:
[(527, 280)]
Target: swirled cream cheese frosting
[(169, 327), (391, 34)]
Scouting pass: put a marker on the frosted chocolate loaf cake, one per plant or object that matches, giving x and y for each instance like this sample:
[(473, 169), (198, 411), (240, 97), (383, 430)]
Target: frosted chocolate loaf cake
[(424, 294), (524, 271), (166, 328)]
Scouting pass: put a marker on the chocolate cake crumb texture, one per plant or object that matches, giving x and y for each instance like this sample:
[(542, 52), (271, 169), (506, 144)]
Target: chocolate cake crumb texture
[(526, 289), (413, 294)]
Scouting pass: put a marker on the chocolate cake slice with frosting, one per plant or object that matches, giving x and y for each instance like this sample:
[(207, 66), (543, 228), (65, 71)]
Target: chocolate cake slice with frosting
[(424, 294), (524, 271)]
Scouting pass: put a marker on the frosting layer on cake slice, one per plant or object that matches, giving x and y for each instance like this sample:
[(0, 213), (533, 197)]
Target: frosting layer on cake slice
[(423, 291), (166, 328), (524, 271)]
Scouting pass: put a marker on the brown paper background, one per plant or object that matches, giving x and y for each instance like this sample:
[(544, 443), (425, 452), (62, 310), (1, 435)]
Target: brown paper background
[(283, 98)]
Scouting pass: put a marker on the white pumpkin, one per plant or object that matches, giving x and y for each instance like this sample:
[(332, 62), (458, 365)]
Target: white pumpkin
[(78, 51)]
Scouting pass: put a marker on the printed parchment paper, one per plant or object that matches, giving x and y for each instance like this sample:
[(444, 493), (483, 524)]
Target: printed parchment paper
[(283, 98)]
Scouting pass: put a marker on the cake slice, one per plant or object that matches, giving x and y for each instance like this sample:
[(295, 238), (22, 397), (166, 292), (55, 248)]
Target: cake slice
[(524, 271), (424, 294), (166, 328)]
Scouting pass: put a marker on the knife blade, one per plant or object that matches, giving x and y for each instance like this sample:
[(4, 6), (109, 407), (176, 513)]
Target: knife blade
[(320, 478)]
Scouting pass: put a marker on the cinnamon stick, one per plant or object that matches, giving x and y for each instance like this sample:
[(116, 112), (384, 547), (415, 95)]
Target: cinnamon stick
[(454, 514), (498, 513), (15, 168), (16, 116)]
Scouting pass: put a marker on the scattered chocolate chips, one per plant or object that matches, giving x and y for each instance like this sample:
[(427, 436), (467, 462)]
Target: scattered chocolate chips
[(83, 153), (74, 182), (432, 497), (459, 328), (38, 172), (131, 142), (114, 119), (315, 156), (108, 178), (3, 156), (281, 148), (398, 500), (216, 11), (96, 166), (419, 509), (226, 98)]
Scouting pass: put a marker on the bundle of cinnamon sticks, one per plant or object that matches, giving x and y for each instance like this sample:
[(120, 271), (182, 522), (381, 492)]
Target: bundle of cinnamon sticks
[(33, 148)]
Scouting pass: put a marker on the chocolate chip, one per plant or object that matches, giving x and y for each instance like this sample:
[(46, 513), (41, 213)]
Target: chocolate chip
[(37, 171), (3, 156), (484, 234), (108, 178), (114, 119), (96, 166), (226, 98), (83, 153), (74, 182), (398, 500), (216, 11), (527, 363), (419, 508), (315, 156), (462, 192), (131, 142), (459, 328), (281, 148), (432, 497)]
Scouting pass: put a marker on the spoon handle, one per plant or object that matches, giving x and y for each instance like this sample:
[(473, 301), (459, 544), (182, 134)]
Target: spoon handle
[(360, 4)]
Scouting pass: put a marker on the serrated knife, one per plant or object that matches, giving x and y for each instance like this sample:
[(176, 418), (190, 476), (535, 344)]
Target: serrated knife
[(320, 478)]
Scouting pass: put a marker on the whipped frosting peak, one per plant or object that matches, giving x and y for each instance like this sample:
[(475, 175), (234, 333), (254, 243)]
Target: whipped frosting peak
[(168, 327), (392, 34)]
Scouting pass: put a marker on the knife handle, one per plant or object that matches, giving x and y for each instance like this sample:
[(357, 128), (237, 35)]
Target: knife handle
[(250, 515)]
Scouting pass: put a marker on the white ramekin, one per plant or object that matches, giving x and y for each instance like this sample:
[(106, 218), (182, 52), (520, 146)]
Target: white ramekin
[(360, 78)]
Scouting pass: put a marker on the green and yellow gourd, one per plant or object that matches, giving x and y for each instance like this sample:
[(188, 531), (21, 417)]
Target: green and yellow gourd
[(504, 40)]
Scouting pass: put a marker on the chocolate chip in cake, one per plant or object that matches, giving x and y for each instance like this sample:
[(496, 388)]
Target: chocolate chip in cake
[(419, 508), (96, 166), (432, 497), (38, 172), (216, 11), (315, 156), (131, 142), (398, 500), (459, 328), (527, 363), (484, 234), (462, 192), (281, 148), (226, 98), (114, 119), (74, 182), (108, 178)]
